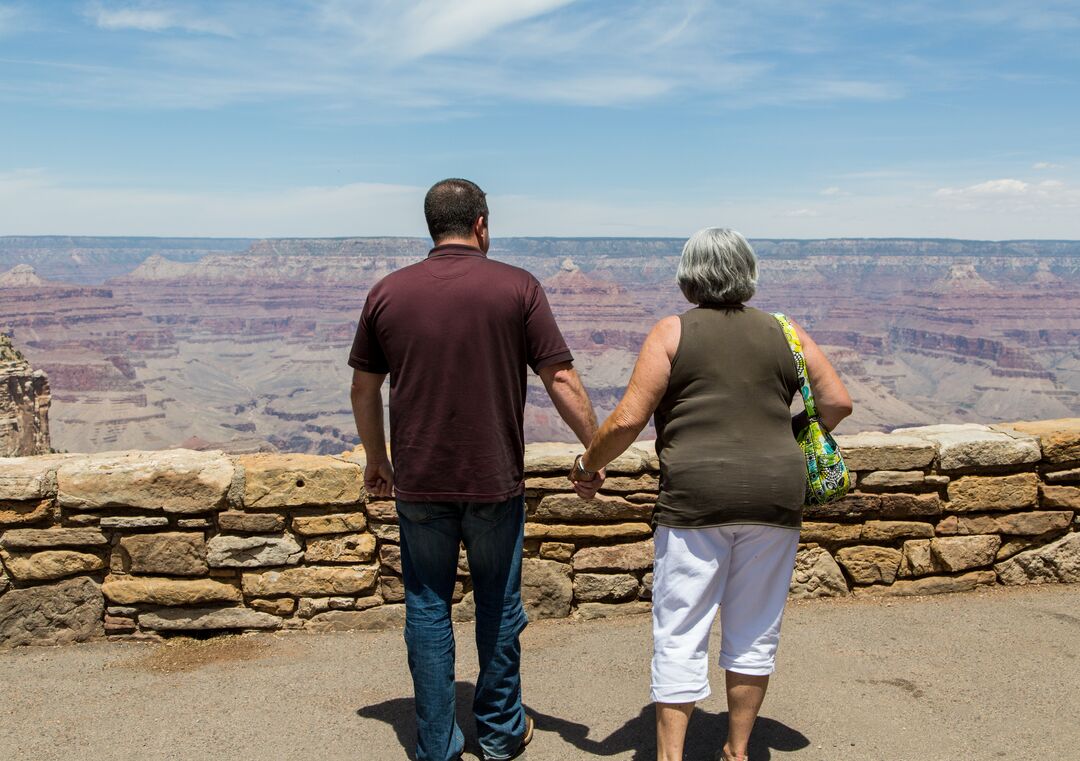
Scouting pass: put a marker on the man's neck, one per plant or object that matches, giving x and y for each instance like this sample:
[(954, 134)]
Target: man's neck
[(471, 242)]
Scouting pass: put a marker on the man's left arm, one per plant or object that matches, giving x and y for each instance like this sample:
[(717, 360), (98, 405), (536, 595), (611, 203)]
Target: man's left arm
[(367, 407)]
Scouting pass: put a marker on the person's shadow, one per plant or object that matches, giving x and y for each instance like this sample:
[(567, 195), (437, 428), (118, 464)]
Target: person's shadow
[(705, 737)]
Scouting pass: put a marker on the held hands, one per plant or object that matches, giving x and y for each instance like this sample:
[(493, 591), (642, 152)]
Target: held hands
[(379, 479), (586, 483)]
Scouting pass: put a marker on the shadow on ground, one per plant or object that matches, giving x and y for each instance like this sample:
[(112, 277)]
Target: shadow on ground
[(707, 732)]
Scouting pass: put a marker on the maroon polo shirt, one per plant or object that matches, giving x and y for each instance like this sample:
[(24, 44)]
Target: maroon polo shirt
[(456, 332)]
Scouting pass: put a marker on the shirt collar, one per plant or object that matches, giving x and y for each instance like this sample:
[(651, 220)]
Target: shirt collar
[(457, 249)]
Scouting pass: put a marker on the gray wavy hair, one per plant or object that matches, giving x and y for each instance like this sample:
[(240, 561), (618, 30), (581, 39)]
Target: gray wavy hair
[(718, 266)]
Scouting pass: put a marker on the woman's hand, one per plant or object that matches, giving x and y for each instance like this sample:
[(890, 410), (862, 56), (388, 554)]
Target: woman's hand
[(586, 483)]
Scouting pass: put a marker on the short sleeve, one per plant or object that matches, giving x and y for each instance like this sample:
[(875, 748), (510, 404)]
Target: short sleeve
[(367, 353), (544, 343)]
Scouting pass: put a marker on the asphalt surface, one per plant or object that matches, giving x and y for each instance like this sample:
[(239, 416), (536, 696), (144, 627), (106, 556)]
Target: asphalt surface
[(984, 675)]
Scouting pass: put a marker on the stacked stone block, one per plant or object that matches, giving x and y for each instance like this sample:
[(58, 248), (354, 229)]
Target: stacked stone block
[(148, 544)]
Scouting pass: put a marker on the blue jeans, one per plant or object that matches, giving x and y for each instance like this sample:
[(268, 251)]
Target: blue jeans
[(493, 533)]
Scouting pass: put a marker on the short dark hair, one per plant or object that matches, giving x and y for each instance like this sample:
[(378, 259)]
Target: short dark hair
[(452, 208)]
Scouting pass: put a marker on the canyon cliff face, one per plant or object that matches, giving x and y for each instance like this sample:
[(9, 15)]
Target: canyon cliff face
[(246, 349), (24, 405)]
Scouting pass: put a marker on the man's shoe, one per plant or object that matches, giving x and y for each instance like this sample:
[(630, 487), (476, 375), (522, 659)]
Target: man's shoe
[(525, 740)]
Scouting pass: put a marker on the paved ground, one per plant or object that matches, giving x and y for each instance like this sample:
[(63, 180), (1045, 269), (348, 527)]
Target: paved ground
[(977, 676)]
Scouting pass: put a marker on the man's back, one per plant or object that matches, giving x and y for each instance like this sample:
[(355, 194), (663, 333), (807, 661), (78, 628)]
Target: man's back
[(455, 333)]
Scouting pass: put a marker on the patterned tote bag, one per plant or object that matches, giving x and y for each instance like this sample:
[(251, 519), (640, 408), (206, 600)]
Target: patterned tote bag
[(827, 477)]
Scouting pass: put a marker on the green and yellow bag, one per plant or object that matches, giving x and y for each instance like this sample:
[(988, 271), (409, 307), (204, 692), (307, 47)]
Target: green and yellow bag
[(827, 477)]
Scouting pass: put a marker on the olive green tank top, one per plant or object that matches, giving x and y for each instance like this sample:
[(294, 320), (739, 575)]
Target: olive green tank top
[(723, 427)]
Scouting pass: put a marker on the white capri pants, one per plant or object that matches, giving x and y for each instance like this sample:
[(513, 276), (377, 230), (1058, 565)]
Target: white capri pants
[(745, 571)]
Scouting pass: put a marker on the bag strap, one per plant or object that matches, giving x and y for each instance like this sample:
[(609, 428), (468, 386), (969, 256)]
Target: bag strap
[(800, 364)]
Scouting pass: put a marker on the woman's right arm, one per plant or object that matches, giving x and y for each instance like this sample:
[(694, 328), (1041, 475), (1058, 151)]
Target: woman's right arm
[(831, 397)]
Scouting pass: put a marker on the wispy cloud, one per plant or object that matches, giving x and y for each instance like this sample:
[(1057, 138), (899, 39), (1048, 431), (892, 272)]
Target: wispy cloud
[(1044, 165), (147, 17)]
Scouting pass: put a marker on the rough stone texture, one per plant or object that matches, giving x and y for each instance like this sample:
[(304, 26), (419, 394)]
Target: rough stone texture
[(202, 619), (174, 480), (561, 551), (984, 493), (560, 508), (637, 556), (30, 538), (55, 614), (1010, 547), (959, 553), (343, 548), (382, 617), (133, 521), (341, 523), (1060, 439), (312, 606), (293, 480), (1018, 524), (194, 523), (885, 451), (590, 611), (971, 446), (930, 585), (910, 505), (30, 478), (392, 588), (5, 582), (24, 513), (816, 574), (554, 457), (889, 531), (1056, 562), (829, 533), (390, 558), (50, 564), (129, 590), (1061, 497), (593, 532), (311, 582), (168, 554), (604, 587), (119, 624), (891, 479), (855, 506), (870, 565), (250, 523), (917, 559), (382, 511), (546, 588), (253, 551), (385, 532), (282, 606), (1072, 475)]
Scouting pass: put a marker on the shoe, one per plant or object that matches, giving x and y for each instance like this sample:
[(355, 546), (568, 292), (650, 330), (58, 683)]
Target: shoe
[(525, 740)]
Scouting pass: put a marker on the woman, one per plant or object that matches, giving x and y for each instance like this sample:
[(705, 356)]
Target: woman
[(720, 379)]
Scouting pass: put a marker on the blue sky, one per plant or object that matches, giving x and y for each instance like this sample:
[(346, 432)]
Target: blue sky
[(308, 118)]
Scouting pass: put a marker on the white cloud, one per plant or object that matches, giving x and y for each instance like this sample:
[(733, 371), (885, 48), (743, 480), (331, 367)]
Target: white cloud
[(1042, 165), (153, 18), (803, 213), (832, 191), (988, 188), (437, 26)]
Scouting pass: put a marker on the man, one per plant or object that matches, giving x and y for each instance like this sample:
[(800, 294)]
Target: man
[(455, 333)]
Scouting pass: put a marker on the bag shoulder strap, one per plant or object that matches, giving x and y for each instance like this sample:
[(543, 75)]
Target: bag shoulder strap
[(800, 363)]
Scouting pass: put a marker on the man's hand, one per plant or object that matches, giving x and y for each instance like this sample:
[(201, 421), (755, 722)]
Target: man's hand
[(379, 479), (588, 489)]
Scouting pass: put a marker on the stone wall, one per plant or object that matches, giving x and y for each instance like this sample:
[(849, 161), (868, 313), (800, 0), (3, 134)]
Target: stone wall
[(144, 544), (24, 404)]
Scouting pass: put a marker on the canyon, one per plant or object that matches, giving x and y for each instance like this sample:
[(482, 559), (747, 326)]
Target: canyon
[(240, 344)]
